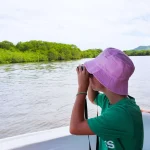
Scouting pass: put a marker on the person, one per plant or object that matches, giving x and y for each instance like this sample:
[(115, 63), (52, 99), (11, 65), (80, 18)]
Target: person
[(105, 80)]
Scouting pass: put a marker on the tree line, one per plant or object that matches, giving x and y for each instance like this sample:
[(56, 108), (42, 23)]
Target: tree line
[(37, 51), (137, 52)]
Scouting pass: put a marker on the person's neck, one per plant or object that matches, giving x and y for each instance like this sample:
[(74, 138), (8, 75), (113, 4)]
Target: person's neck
[(114, 98)]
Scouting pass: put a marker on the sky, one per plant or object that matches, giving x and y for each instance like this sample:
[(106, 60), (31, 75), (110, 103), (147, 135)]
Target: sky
[(123, 24)]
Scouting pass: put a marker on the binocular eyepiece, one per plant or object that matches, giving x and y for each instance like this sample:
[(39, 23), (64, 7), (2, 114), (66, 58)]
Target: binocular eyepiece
[(81, 67)]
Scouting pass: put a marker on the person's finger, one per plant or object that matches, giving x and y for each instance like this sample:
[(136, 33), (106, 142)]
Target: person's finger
[(80, 68), (86, 71), (77, 69)]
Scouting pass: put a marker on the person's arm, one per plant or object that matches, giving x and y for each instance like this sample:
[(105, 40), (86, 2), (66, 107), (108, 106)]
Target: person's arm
[(92, 94), (146, 111), (78, 125)]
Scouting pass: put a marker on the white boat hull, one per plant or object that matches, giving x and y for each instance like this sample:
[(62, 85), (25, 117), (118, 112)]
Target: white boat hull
[(61, 139)]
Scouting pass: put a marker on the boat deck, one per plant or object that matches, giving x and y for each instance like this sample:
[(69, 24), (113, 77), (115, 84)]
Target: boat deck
[(61, 139)]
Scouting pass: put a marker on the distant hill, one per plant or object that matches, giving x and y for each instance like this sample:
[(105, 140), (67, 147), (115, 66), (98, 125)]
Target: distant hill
[(142, 48)]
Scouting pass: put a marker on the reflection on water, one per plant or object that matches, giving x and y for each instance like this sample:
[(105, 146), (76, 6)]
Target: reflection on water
[(40, 96)]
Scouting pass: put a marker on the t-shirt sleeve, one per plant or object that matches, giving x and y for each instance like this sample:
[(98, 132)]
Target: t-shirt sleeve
[(111, 124), (100, 99)]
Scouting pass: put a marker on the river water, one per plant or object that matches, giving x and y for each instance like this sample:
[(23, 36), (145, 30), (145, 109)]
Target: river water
[(40, 96)]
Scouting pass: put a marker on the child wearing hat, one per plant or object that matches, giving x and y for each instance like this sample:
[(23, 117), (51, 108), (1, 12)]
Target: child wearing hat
[(105, 80)]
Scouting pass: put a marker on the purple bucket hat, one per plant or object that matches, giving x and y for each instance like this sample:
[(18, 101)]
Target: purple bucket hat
[(112, 68)]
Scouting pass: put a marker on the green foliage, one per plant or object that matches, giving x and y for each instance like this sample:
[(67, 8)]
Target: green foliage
[(6, 45), (19, 57), (137, 52), (53, 55), (36, 51), (91, 53)]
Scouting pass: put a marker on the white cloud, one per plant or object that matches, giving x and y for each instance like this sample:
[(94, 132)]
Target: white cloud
[(88, 24)]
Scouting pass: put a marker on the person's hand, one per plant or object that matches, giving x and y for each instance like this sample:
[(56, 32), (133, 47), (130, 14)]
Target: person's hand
[(146, 111), (83, 79)]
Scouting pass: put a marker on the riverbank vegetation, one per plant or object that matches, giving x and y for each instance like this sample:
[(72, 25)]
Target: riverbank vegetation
[(137, 52), (36, 51)]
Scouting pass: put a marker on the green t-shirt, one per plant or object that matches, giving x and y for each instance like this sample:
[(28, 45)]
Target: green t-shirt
[(120, 126)]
